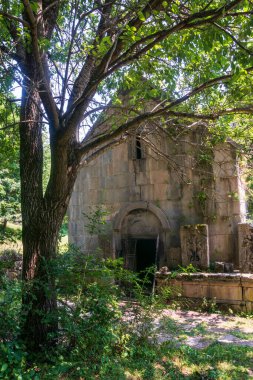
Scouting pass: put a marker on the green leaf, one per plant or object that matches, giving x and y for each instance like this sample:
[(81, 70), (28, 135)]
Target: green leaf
[(35, 6), (141, 16), (4, 367)]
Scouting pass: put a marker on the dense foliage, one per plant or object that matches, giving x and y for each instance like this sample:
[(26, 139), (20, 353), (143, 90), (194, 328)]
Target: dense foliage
[(9, 163), (93, 335), (194, 57), (102, 337)]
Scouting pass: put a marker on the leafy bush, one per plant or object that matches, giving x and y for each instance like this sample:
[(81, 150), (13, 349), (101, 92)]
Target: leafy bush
[(95, 330), (64, 228), (10, 259), (13, 362), (103, 335), (9, 234), (188, 269), (10, 305)]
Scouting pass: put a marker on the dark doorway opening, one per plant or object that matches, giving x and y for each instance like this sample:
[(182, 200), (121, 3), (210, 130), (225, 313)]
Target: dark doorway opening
[(146, 258)]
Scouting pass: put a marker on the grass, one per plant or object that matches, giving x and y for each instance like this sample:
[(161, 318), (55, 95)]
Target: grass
[(201, 329), (242, 335), (167, 361), (217, 361), (175, 363)]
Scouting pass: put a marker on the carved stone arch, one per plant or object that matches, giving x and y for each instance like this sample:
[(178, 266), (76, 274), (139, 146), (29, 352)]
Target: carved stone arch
[(163, 231), (141, 205)]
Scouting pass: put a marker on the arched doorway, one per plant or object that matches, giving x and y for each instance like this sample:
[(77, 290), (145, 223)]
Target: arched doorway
[(141, 236)]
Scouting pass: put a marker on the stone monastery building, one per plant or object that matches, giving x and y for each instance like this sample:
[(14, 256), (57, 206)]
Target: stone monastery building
[(167, 200)]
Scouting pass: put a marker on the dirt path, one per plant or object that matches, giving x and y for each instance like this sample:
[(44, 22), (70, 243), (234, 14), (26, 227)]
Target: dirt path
[(199, 330)]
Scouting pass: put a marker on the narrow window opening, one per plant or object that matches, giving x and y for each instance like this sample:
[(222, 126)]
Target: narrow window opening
[(139, 153)]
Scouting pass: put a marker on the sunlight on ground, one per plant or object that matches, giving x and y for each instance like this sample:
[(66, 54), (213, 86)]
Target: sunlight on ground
[(136, 375)]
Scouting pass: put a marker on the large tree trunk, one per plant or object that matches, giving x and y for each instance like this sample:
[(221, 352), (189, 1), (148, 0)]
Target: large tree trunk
[(39, 304), (42, 216)]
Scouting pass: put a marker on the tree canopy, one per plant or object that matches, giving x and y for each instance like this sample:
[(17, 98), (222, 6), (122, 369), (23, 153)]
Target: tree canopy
[(195, 56)]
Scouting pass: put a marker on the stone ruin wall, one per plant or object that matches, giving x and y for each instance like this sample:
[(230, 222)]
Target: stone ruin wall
[(116, 178)]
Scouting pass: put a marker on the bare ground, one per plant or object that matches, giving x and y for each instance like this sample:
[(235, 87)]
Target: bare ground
[(199, 330)]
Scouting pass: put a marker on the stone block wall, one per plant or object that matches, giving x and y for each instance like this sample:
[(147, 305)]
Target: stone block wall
[(116, 179), (228, 204), (235, 290)]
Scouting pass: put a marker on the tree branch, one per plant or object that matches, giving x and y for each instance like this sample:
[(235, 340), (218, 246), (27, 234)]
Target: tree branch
[(85, 73), (234, 39), (99, 74), (184, 24), (11, 54), (14, 18), (204, 86), (84, 77), (162, 34), (102, 149), (166, 110), (43, 80)]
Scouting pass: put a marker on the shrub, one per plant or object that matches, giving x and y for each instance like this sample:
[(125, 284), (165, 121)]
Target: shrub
[(10, 305), (95, 332)]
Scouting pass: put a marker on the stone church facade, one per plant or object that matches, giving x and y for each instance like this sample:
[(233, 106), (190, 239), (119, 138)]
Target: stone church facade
[(165, 200)]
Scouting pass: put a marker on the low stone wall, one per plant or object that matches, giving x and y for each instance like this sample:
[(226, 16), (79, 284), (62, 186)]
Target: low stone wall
[(233, 289)]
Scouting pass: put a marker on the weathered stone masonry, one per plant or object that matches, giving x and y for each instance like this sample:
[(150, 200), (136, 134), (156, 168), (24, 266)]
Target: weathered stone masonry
[(149, 200)]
